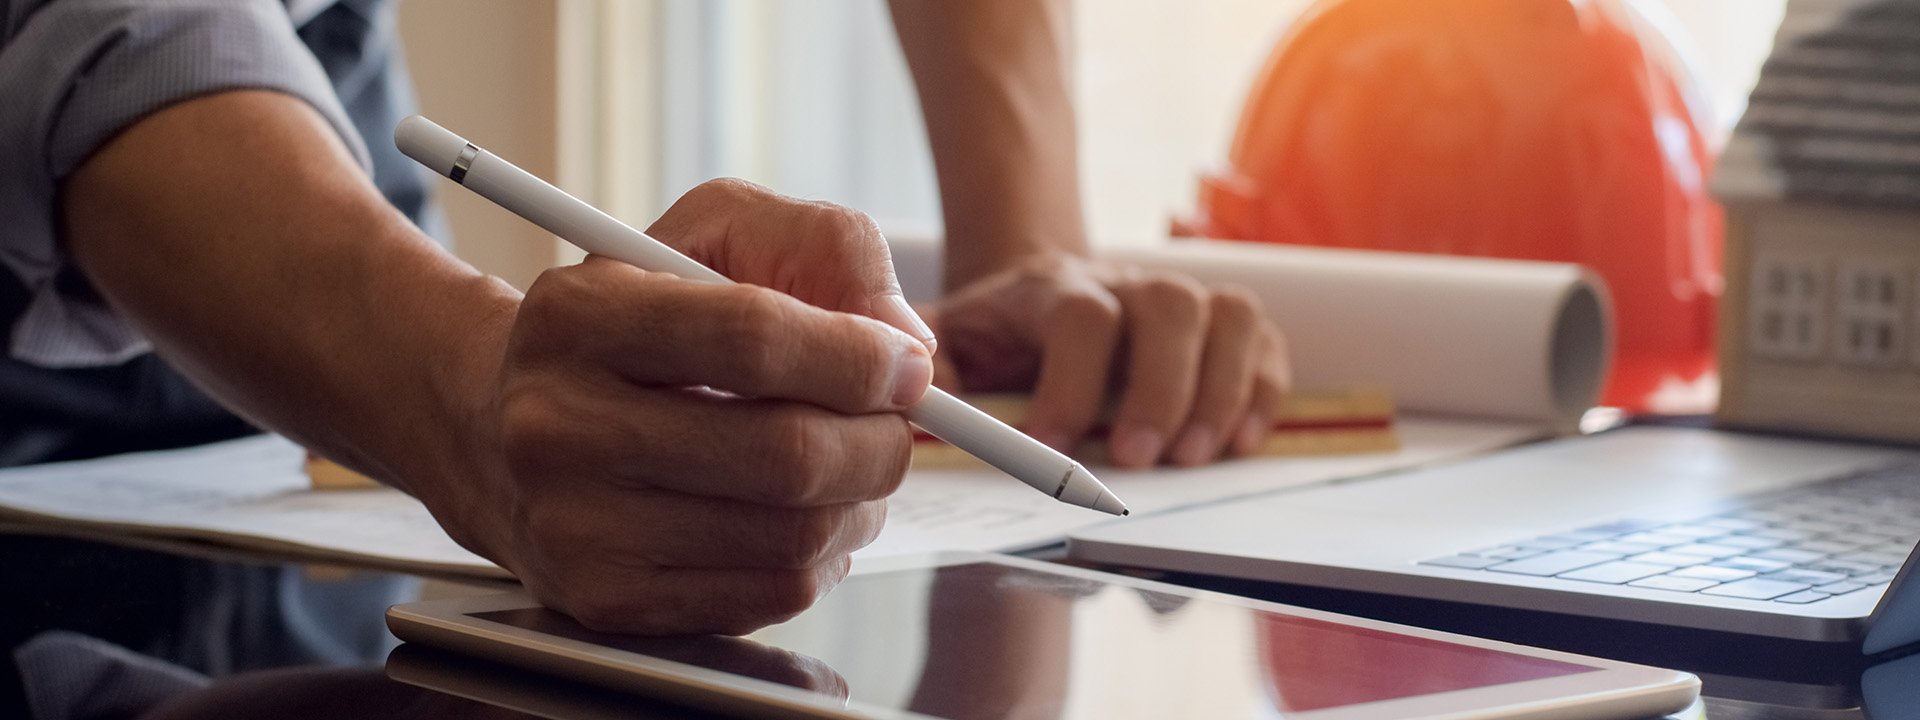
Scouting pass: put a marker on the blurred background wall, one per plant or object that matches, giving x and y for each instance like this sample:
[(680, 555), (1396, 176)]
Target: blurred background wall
[(631, 102)]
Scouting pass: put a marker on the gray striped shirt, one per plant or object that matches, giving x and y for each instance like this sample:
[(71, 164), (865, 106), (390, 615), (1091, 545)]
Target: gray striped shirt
[(73, 73)]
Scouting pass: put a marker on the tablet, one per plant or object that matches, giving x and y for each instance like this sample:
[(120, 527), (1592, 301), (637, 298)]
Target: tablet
[(960, 636)]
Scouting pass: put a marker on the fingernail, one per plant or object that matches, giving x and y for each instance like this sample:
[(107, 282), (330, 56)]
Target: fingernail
[(911, 376), (1195, 446), (894, 310), (1253, 431), (1136, 447)]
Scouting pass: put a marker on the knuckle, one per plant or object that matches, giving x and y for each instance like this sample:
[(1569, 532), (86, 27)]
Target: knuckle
[(897, 456), (531, 426), (552, 294), (853, 240), (1174, 296), (755, 318), (845, 221), (796, 473), (1235, 305), (867, 364), (1085, 308), (788, 593), (800, 539), (728, 188)]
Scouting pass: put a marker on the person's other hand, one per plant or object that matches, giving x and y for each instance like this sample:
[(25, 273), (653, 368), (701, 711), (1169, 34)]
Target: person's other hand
[(676, 457), (1197, 370)]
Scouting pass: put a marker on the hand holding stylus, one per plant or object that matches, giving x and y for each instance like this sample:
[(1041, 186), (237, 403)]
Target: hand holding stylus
[(640, 505)]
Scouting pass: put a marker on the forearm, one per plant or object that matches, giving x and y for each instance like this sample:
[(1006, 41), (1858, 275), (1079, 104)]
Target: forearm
[(993, 83), (238, 235)]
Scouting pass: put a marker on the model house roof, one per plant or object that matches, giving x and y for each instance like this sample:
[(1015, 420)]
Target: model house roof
[(1835, 116)]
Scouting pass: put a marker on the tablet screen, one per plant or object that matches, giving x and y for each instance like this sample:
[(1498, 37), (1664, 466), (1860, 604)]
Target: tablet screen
[(989, 640)]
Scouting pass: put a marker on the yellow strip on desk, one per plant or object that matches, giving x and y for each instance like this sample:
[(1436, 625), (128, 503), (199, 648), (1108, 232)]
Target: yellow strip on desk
[(1345, 422)]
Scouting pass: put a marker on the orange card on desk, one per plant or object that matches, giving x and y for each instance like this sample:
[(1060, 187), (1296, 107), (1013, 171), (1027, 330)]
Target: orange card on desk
[(1307, 423), (324, 474)]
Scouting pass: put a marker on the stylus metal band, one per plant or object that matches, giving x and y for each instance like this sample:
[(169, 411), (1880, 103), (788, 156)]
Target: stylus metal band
[(1064, 479), (460, 164)]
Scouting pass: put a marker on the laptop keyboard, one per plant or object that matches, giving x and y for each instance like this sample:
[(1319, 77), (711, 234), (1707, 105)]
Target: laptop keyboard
[(1800, 545)]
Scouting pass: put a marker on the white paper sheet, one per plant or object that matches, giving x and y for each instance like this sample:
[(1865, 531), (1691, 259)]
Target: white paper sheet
[(985, 510), (253, 494), (250, 493)]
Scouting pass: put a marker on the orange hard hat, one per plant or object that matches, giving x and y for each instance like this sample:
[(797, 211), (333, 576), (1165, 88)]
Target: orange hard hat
[(1563, 130)]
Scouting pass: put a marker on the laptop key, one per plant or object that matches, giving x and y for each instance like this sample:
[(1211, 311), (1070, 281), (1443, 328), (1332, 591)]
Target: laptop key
[(1873, 558), (1750, 542), (1615, 573), (1552, 543), (1861, 538), (1803, 597), (1620, 527), (1879, 578), (1755, 564), (1716, 574), (1841, 588), (1789, 555), (1755, 589), (1584, 536), (1677, 584), (1810, 577), (1707, 549), (1657, 539), (1554, 563), (1697, 532), (1667, 558), (1826, 547), (1817, 526), (1780, 533), (1621, 548), (1469, 562), (1841, 566), (1505, 552)]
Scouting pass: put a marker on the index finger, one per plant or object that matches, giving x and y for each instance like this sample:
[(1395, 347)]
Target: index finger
[(659, 330), (824, 254)]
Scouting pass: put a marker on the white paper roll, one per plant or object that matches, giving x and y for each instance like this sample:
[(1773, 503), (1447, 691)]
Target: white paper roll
[(1461, 336), (1509, 339)]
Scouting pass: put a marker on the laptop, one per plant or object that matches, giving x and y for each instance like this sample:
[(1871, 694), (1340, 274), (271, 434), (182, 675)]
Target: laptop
[(1699, 528)]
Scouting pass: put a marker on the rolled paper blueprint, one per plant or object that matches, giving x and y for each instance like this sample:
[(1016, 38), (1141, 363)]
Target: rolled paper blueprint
[(1510, 339), (1477, 337)]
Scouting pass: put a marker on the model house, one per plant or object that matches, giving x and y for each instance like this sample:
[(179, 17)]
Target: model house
[(1819, 330)]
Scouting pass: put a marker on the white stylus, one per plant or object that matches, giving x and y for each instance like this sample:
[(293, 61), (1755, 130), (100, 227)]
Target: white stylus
[(939, 413)]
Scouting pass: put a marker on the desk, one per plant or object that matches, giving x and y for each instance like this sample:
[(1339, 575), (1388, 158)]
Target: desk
[(296, 640)]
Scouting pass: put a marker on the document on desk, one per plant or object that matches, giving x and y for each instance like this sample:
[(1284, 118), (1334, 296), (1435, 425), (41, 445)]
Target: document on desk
[(252, 493), (978, 510)]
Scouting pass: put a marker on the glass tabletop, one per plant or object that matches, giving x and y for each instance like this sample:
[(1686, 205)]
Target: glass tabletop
[(95, 629)]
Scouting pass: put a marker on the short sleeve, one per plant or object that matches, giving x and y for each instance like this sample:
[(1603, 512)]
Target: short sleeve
[(74, 73)]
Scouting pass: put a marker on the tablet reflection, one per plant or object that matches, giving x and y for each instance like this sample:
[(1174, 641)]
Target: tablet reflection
[(732, 655)]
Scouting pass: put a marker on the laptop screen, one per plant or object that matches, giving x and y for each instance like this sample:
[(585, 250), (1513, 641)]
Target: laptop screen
[(989, 640)]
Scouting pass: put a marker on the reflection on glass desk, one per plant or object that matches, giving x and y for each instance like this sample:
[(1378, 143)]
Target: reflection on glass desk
[(181, 632), (981, 639)]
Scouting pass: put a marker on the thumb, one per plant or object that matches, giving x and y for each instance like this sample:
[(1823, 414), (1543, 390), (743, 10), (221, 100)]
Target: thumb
[(893, 309)]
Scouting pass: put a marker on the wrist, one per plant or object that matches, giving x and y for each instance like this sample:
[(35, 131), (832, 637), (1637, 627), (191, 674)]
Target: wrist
[(974, 254), (454, 464)]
